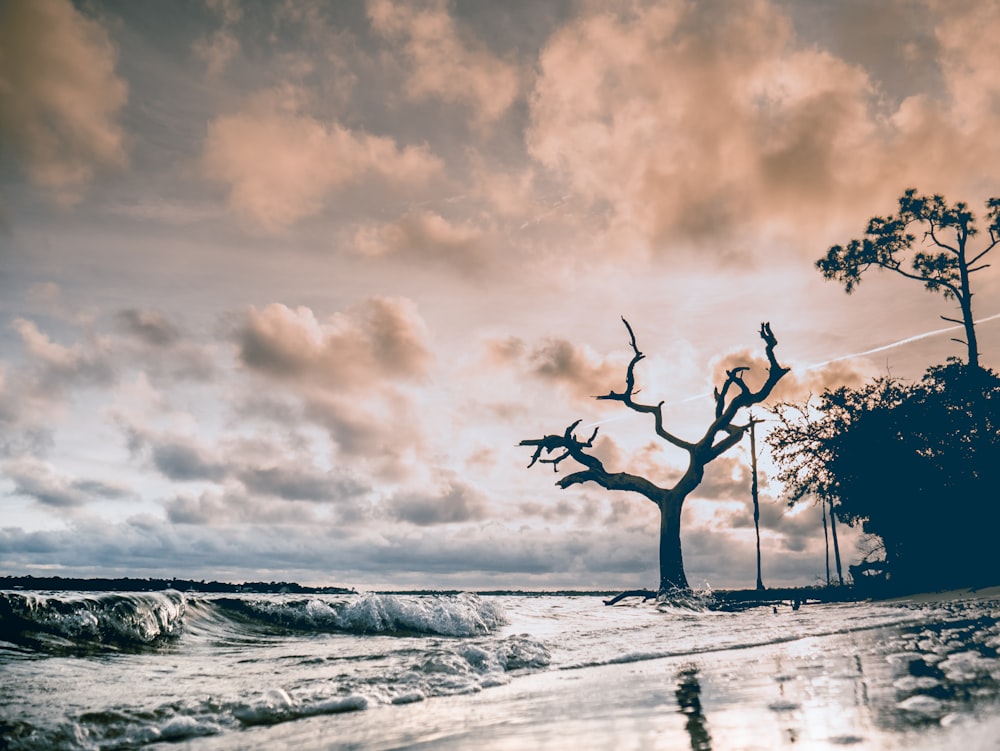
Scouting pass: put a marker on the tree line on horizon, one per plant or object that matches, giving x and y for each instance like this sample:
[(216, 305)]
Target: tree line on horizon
[(128, 584), (915, 465)]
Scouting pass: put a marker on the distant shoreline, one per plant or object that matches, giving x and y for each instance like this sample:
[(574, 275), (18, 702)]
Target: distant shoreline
[(128, 584), (727, 599)]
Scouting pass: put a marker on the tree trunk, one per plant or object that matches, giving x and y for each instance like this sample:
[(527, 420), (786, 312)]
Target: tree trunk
[(671, 560), (965, 303)]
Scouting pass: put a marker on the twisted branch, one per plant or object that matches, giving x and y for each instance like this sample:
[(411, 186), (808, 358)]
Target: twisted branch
[(720, 436)]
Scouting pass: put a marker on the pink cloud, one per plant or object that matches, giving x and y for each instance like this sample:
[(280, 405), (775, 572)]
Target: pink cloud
[(426, 236), (60, 97), (280, 165), (691, 125), (576, 369), (800, 383), (383, 338), (444, 64)]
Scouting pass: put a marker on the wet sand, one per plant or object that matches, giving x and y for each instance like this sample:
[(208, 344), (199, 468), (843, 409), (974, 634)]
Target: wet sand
[(834, 691)]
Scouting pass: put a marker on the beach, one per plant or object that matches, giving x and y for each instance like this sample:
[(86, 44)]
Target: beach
[(523, 672), (833, 691)]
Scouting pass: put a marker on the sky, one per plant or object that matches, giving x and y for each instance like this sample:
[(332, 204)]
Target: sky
[(283, 285)]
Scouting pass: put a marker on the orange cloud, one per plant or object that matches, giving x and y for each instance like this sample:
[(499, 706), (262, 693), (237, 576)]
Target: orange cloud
[(444, 65), (427, 236), (280, 165), (382, 338), (59, 95), (692, 124), (798, 384), (577, 369), (346, 374)]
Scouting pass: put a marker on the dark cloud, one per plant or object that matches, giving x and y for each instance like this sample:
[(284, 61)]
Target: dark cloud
[(38, 481), (575, 368), (58, 367), (25, 424), (266, 469), (726, 478), (221, 536), (150, 326), (280, 409), (230, 508), (584, 510), (428, 554), (456, 502), (298, 484), (183, 461)]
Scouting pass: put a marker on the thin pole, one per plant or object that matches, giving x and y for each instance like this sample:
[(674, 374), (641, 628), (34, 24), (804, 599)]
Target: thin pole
[(753, 494), (836, 545), (826, 537)]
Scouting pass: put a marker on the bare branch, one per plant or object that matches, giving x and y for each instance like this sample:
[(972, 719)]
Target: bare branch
[(925, 280), (940, 244), (627, 396), (573, 448), (994, 240), (725, 413)]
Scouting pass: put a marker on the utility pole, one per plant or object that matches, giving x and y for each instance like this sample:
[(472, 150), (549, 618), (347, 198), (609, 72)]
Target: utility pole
[(826, 537), (753, 494)]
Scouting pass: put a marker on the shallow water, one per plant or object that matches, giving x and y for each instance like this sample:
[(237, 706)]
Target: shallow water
[(387, 671)]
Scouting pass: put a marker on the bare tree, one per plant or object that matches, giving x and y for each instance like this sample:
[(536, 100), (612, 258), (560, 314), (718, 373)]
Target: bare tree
[(720, 436)]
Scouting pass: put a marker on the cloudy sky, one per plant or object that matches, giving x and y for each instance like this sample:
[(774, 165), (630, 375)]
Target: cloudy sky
[(282, 285)]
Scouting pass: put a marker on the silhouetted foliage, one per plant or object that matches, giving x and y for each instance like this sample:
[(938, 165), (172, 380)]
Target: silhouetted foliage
[(918, 465), (942, 260), (720, 436)]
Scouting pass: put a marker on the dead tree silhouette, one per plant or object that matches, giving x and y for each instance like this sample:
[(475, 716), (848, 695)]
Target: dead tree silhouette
[(720, 436)]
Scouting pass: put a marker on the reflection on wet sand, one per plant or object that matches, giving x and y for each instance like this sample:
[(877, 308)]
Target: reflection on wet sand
[(688, 695)]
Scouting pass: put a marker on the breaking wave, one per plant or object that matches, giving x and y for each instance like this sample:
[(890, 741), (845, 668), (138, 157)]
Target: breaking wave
[(369, 613), (136, 621), (124, 622)]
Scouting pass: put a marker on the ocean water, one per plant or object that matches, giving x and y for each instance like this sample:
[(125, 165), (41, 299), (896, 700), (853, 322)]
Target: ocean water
[(174, 670)]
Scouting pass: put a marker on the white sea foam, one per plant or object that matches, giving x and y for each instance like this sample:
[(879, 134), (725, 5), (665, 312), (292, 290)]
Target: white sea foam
[(276, 705), (460, 615), (921, 704)]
